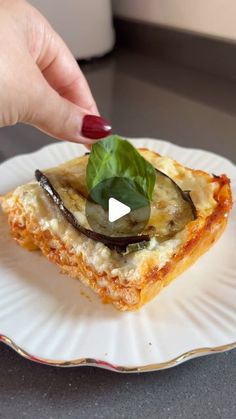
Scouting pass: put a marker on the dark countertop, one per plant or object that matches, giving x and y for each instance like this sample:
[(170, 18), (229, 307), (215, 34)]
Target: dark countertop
[(142, 97)]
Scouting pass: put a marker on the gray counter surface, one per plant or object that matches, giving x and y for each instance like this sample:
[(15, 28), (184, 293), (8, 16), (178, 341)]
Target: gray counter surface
[(143, 97)]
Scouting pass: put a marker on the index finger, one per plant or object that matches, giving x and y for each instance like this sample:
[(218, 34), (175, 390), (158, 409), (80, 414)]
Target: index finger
[(62, 72)]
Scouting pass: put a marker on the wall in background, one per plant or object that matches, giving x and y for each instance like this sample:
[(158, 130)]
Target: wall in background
[(210, 17)]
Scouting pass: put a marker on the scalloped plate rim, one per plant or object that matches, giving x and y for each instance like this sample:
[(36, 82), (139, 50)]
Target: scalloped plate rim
[(177, 146), (103, 364)]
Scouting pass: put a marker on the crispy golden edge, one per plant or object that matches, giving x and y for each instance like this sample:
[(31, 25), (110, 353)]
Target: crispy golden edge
[(200, 240), (201, 235)]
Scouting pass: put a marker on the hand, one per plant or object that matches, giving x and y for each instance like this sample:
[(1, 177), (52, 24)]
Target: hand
[(41, 83)]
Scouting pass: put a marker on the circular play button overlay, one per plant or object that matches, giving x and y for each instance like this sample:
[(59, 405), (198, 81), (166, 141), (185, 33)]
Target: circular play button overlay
[(117, 207)]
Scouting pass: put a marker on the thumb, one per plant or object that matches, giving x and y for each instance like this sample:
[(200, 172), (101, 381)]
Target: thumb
[(62, 119)]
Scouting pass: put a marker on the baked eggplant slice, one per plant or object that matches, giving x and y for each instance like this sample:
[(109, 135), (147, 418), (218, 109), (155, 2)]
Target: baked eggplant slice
[(70, 215), (170, 210)]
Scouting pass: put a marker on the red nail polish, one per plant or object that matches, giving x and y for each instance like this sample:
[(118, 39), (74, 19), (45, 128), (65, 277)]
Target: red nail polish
[(95, 127)]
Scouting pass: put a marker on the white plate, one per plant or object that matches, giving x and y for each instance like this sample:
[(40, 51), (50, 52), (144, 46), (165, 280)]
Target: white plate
[(53, 319)]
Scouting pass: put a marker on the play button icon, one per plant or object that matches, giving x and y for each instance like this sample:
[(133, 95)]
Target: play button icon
[(116, 210)]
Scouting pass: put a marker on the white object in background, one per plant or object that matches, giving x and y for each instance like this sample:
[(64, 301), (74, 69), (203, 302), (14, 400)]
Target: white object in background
[(85, 25)]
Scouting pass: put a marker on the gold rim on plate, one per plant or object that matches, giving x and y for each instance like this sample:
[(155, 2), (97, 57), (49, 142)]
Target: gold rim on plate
[(93, 362)]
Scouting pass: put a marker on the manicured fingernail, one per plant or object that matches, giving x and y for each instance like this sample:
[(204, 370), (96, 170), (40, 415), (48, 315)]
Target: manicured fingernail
[(95, 127)]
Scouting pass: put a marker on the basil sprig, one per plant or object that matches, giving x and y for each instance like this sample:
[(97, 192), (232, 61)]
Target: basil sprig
[(115, 168)]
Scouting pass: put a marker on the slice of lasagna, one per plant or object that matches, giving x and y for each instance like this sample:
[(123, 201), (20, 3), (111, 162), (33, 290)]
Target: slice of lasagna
[(188, 213)]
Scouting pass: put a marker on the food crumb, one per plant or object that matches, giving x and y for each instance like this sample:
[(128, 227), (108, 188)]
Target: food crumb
[(83, 293), (150, 343)]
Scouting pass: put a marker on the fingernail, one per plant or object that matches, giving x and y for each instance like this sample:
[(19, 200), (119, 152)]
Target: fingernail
[(95, 127)]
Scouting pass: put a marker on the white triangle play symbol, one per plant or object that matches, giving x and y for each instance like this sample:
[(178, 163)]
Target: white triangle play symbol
[(116, 210)]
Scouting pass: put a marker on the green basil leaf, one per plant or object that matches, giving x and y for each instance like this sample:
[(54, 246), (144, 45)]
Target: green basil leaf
[(123, 189), (112, 158)]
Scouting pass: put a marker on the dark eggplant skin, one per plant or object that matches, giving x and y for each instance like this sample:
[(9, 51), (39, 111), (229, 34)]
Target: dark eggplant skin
[(112, 242), (187, 197), (185, 194)]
